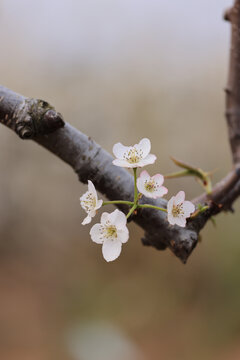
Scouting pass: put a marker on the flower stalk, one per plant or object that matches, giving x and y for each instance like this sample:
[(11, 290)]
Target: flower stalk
[(135, 186), (152, 207), (131, 211), (123, 202)]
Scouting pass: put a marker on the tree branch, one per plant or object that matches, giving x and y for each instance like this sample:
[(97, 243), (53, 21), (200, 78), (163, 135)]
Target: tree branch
[(38, 120), (90, 161)]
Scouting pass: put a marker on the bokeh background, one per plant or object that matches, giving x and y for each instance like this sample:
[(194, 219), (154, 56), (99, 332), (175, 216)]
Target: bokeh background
[(118, 70)]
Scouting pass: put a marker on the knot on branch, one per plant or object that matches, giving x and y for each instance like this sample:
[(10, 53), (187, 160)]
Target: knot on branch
[(36, 117)]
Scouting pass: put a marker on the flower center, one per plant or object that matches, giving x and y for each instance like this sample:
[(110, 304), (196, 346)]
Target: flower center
[(133, 155), (108, 231), (150, 185), (89, 203), (111, 231), (177, 210)]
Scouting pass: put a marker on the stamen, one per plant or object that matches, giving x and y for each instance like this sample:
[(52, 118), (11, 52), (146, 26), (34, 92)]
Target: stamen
[(151, 185), (108, 231), (177, 210), (89, 203), (133, 156)]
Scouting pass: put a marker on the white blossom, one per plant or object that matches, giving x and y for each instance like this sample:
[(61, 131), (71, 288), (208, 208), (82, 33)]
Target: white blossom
[(112, 232), (90, 203), (133, 156), (151, 186), (179, 210)]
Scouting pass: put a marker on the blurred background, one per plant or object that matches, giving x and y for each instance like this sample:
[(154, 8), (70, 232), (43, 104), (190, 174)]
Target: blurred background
[(118, 70)]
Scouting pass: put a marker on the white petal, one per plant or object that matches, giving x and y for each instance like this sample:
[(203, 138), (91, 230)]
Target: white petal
[(188, 208), (160, 192), (180, 221), (83, 197), (118, 219), (144, 176), (149, 159), (145, 146), (170, 205), (131, 166), (179, 198), (141, 187), (111, 249), (159, 179), (171, 219), (119, 150), (92, 213), (104, 218), (87, 220), (148, 194), (123, 234), (95, 234), (91, 188), (112, 216), (99, 204), (123, 163)]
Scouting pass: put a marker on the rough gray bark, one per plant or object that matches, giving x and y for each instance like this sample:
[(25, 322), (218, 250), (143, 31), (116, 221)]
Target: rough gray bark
[(39, 121)]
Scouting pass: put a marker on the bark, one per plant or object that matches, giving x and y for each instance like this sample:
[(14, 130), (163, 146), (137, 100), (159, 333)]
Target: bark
[(233, 88), (37, 120)]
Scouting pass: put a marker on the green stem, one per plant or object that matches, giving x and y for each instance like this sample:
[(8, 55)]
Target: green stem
[(151, 207), (135, 186), (130, 203), (131, 211)]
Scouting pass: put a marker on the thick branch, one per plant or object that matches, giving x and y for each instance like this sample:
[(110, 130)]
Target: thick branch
[(90, 161)]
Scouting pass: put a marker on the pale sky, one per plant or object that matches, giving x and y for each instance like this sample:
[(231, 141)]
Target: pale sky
[(114, 30)]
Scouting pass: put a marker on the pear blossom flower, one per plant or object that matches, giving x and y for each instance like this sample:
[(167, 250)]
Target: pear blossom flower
[(90, 203), (112, 232), (133, 156), (179, 210), (151, 186)]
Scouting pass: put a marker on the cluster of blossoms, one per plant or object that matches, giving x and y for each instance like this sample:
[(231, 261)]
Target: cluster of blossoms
[(112, 231)]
